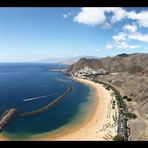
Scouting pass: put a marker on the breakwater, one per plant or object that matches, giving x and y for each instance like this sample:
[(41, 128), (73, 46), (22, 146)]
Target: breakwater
[(6, 117), (48, 106)]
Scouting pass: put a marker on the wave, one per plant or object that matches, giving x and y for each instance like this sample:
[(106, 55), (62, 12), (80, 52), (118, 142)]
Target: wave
[(35, 98)]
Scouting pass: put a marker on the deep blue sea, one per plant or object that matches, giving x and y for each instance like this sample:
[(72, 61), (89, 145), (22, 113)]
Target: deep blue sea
[(30, 81)]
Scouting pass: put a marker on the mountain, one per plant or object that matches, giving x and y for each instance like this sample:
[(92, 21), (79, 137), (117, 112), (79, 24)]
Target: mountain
[(128, 73), (131, 63), (64, 60)]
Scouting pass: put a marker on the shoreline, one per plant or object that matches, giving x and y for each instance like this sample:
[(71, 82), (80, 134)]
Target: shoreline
[(95, 126), (98, 124), (58, 132), (94, 129), (76, 124)]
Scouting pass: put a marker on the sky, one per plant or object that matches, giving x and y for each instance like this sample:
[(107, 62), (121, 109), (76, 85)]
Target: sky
[(34, 34)]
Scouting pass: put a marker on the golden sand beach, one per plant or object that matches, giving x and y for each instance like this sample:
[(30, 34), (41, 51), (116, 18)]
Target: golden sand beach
[(100, 124)]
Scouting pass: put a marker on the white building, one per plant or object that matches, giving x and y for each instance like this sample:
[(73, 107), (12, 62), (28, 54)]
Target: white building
[(89, 71)]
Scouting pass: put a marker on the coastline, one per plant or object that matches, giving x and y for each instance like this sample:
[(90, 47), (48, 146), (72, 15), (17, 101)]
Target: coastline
[(95, 126), (93, 130), (99, 123)]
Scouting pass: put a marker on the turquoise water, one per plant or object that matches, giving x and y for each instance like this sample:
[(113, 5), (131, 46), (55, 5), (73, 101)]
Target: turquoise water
[(33, 82)]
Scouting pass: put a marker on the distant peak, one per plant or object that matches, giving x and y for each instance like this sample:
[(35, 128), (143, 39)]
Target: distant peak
[(83, 59), (123, 55)]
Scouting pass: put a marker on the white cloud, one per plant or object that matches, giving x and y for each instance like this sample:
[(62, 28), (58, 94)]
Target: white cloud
[(130, 28), (141, 17), (109, 46), (134, 46), (98, 49), (132, 34), (65, 16), (120, 41), (138, 36), (125, 45), (106, 17), (121, 45), (90, 16), (120, 37), (106, 26), (118, 13), (96, 16)]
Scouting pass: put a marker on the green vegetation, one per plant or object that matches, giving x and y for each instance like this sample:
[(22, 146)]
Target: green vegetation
[(107, 88), (122, 110), (125, 97), (129, 99), (118, 138), (114, 118), (95, 81), (114, 102), (130, 115)]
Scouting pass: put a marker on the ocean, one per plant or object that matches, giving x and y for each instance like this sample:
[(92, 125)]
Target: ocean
[(29, 86)]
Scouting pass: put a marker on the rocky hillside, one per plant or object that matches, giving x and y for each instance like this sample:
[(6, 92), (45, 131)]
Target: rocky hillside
[(129, 75), (132, 63)]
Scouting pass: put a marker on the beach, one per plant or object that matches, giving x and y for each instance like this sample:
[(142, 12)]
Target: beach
[(100, 123), (101, 126)]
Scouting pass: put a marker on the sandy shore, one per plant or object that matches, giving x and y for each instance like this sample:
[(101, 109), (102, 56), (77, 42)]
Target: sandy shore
[(100, 123), (100, 126)]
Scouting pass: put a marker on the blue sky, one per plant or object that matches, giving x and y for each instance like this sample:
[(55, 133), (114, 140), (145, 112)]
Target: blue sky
[(32, 34)]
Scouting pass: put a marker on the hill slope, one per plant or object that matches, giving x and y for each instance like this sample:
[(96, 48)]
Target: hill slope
[(129, 75), (120, 63)]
